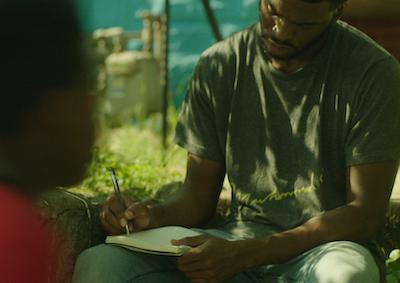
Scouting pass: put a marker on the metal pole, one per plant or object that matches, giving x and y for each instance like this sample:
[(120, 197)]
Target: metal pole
[(212, 20), (165, 77)]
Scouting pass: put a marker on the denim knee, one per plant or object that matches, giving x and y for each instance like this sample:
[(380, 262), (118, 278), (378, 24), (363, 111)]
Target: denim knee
[(110, 264), (343, 262), (96, 264)]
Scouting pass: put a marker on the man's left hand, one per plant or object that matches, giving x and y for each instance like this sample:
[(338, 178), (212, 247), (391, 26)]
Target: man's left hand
[(210, 260)]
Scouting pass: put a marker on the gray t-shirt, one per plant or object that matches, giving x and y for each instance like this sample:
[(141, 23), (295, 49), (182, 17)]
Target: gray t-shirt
[(286, 140)]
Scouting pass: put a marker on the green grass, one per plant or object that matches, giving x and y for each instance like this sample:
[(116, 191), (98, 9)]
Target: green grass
[(393, 267), (137, 155)]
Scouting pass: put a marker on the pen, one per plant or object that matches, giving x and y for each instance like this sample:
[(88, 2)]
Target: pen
[(117, 191)]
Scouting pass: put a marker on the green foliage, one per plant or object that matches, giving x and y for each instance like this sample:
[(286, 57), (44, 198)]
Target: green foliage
[(140, 163), (393, 267)]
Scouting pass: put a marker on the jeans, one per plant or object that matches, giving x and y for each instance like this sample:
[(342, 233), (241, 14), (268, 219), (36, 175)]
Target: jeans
[(334, 262)]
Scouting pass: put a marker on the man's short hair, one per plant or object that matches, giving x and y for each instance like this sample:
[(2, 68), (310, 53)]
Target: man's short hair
[(40, 49)]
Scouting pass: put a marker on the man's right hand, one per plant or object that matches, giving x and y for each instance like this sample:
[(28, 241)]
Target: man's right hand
[(116, 213)]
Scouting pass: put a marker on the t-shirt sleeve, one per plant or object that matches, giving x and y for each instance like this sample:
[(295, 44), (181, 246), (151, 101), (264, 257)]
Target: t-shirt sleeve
[(374, 135), (196, 129)]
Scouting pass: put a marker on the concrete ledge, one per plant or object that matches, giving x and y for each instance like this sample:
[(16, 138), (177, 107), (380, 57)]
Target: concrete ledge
[(76, 220)]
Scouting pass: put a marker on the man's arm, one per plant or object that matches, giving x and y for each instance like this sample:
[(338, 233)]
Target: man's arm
[(368, 192), (193, 206), (196, 202)]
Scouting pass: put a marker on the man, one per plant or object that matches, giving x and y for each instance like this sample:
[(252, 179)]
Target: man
[(46, 128), (302, 113)]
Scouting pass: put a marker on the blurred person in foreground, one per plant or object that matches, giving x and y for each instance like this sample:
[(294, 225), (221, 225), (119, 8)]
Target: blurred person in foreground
[(301, 111), (46, 127)]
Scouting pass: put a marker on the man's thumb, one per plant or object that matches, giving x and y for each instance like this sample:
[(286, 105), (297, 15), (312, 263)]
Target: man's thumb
[(190, 241)]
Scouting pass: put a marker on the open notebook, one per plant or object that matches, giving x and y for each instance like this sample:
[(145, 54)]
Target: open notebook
[(155, 241)]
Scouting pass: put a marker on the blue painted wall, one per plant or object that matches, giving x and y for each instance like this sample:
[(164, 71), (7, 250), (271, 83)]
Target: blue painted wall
[(190, 33)]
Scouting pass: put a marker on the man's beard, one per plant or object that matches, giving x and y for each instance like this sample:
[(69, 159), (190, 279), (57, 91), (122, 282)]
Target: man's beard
[(296, 51)]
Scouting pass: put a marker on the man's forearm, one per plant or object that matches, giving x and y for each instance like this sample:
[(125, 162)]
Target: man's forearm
[(345, 223), (196, 201), (368, 192)]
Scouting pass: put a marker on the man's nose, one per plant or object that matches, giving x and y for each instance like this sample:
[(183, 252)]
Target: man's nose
[(282, 29)]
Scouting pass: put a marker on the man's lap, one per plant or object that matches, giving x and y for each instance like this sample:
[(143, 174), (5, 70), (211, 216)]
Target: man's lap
[(337, 262), (110, 264)]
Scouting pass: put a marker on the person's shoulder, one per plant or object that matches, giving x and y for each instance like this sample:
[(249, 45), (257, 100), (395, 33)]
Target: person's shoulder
[(358, 48), (232, 46)]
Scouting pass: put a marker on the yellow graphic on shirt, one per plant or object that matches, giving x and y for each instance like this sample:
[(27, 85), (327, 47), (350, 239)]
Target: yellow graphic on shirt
[(275, 195)]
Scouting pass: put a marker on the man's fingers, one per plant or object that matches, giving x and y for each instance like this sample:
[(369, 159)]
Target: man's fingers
[(109, 217), (109, 221), (113, 220), (138, 215), (110, 229), (116, 205), (119, 211), (129, 215), (123, 222), (126, 201), (195, 255), (191, 241), (136, 209)]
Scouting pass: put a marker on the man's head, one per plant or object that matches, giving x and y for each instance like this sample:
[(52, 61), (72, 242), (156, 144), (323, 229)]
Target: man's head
[(290, 27), (46, 127)]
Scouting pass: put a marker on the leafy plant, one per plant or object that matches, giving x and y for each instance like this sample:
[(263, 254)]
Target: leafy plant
[(393, 267), (141, 164)]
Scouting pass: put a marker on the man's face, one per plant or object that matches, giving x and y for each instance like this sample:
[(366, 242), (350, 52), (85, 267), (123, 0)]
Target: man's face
[(290, 27)]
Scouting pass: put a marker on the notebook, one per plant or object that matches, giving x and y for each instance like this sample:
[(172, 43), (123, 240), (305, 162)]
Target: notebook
[(155, 241)]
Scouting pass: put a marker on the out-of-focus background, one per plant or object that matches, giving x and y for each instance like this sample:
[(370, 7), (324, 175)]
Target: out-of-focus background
[(190, 33)]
